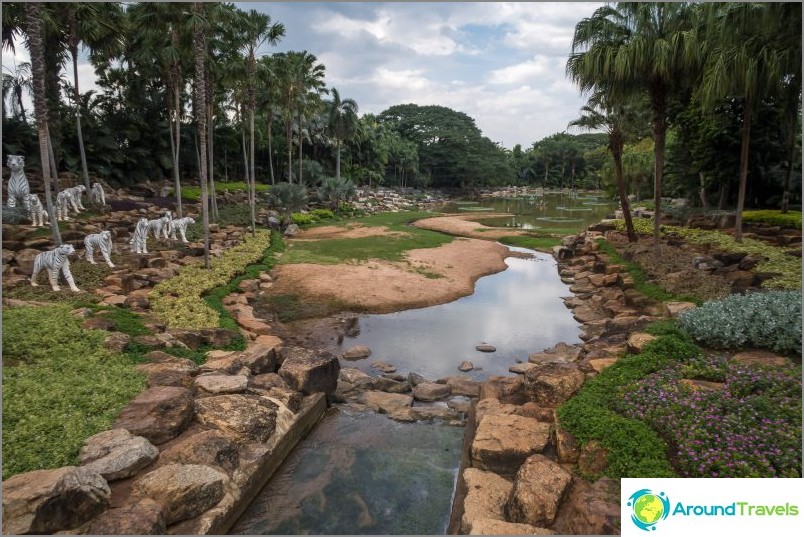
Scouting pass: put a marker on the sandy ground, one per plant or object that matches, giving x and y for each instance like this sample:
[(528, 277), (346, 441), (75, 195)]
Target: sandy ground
[(464, 225), (382, 286), (352, 231)]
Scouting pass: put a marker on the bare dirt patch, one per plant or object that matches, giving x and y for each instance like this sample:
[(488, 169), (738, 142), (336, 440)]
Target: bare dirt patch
[(352, 231), (427, 277), (465, 225)]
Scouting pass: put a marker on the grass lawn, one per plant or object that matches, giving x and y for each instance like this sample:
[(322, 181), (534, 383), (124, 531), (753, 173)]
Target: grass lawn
[(193, 193)]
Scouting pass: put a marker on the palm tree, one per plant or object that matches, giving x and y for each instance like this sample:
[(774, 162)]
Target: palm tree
[(641, 45), (199, 48), (333, 190), (616, 119), (268, 71), (289, 197), (743, 60), (36, 46), (15, 83), (342, 118)]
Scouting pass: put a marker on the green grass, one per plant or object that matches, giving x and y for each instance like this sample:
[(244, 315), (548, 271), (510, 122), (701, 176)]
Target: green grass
[(534, 243), (64, 386), (634, 449), (790, 220), (389, 248), (193, 193), (640, 278)]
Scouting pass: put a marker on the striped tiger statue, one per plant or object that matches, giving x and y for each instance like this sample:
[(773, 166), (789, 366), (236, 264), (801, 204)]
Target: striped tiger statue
[(180, 225), (63, 199), (96, 195), (38, 214), (103, 242), (161, 226), (75, 197), (55, 261), (18, 187), (140, 237)]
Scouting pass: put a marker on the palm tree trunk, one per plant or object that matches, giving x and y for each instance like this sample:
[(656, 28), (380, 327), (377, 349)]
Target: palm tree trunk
[(176, 145), (211, 165), (290, 151), (702, 192), (270, 150), (301, 179), (53, 169), (617, 154), (245, 154), (337, 158), (200, 110), (32, 11), (738, 222), (252, 179), (658, 103), (74, 52), (788, 183)]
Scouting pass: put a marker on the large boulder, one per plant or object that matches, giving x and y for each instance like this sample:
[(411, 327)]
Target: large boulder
[(210, 448), (539, 488), (222, 384), (506, 389), (486, 495), (462, 385), (145, 517), (430, 391), (159, 413), (47, 501), (590, 509), (358, 352), (260, 358), (170, 372), (553, 383), (309, 372), (503, 441), (242, 418), (185, 490), (489, 526), (387, 403), (116, 454)]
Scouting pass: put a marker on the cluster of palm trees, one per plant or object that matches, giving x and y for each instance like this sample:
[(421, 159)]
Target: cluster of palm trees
[(636, 57)]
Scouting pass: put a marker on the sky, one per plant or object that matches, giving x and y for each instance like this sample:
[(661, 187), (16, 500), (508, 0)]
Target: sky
[(500, 63)]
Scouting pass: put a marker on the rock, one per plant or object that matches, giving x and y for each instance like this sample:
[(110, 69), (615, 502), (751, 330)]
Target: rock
[(637, 341), (539, 488), (169, 371), (242, 418), (47, 501), (384, 367), (591, 509), (99, 323), (145, 517), (568, 449), (185, 490), (290, 399), (560, 353), (291, 230), (584, 314), (489, 526), (222, 384), (506, 389), (503, 441), (430, 391), (415, 379), (190, 338), (552, 384), (593, 459), (116, 341), (260, 358), (386, 403), (159, 413), (210, 448), (702, 385), (674, 309), (222, 362), (755, 357), (483, 347), (521, 369), (599, 364), (384, 384), (116, 454), (358, 352), (267, 381), (462, 385), (309, 373), (466, 366), (356, 377), (217, 337), (486, 494)]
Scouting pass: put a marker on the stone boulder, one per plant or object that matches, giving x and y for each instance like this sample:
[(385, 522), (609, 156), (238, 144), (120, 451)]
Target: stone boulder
[(267, 381), (185, 490), (116, 454), (462, 385), (222, 362), (287, 397), (593, 459), (116, 341), (559, 353), (486, 495), (430, 391), (755, 357), (553, 383), (485, 347), (222, 384), (489, 526), (503, 441), (309, 372), (242, 418), (145, 517), (260, 358), (170, 372), (590, 509), (674, 309), (396, 405), (466, 365), (637, 341), (159, 414), (506, 389), (383, 367), (358, 352), (539, 488), (47, 501), (210, 448)]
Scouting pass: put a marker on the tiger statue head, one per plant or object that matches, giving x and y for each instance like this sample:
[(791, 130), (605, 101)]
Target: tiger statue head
[(15, 162), (66, 249), (106, 235), (80, 188)]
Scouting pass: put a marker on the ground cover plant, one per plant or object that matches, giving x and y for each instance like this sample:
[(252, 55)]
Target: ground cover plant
[(791, 219), (60, 386), (193, 193)]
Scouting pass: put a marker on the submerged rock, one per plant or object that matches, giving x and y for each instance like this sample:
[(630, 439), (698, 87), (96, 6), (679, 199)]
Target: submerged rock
[(358, 352), (484, 347), (466, 365)]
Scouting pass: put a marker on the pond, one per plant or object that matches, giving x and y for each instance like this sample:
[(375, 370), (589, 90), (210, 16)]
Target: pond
[(363, 473)]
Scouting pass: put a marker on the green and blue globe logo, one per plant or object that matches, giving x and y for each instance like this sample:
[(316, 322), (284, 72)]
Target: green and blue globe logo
[(648, 508)]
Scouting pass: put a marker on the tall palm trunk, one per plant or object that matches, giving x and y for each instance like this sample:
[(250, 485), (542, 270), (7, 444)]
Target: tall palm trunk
[(788, 183), (616, 144), (252, 198), (270, 147), (84, 170), (32, 11), (337, 158), (658, 103), (738, 223), (211, 148), (290, 150), (200, 110), (54, 170), (176, 144), (299, 117)]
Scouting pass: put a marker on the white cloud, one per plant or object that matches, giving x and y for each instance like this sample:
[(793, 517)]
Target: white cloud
[(521, 72)]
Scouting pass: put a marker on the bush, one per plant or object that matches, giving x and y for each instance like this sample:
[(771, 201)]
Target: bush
[(322, 214), (301, 219), (792, 219), (16, 215), (770, 320)]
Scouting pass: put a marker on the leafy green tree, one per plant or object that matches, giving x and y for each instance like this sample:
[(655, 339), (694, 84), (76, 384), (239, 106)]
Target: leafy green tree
[(342, 120)]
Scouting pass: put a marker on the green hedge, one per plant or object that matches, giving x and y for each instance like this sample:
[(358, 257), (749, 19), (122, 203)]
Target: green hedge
[(791, 220)]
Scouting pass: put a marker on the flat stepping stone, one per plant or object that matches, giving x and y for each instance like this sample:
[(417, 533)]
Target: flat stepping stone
[(483, 347), (358, 352)]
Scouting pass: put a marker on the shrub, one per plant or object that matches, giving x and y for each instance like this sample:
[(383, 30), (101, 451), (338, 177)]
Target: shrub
[(302, 219), (792, 219), (16, 215), (770, 320), (322, 214)]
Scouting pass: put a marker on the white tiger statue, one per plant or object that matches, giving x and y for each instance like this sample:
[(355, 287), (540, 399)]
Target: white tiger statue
[(103, 242), (140, 238), (96, 195), (63, 200), (38, 214), (75, 197), (55, 261), (161, 226), (180, 225), (18, 187)]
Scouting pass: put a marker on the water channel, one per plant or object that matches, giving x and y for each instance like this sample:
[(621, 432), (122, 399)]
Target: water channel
[(363, 473)]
